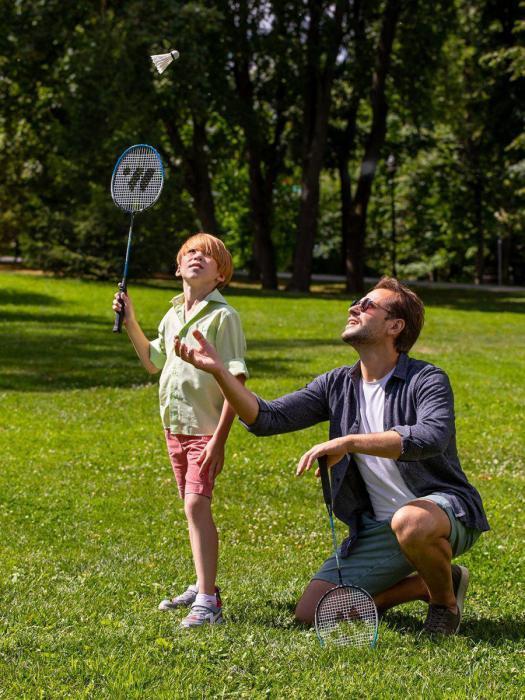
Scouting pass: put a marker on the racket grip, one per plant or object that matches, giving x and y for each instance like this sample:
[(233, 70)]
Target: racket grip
[(119, 315)]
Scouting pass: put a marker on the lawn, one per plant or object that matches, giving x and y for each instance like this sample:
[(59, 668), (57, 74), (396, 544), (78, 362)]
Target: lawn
[(93, 535)]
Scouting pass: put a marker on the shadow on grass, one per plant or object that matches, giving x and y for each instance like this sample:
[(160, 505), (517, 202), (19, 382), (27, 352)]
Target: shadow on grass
[(82, 352), (60, 351), (459, 299), (495, 632), (13, 297)]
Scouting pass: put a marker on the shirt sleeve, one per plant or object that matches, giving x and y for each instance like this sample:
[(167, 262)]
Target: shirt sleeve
[(295, 411), (435, 424), (230, 343), (157, 347)]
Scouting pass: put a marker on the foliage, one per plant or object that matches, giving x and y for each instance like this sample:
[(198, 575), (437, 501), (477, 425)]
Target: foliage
[(77, 87)]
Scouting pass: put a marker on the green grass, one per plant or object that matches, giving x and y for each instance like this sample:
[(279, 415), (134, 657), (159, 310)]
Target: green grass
[(93, 535)]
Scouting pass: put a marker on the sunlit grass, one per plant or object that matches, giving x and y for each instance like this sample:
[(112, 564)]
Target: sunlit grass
[(93, 534)]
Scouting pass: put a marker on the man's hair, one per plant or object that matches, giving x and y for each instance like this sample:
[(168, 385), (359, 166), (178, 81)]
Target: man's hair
[(406, 305), (215, 248)]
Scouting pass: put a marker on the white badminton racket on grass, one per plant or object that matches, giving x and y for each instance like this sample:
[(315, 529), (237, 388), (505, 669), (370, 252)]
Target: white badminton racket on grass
[(345, 615), (136, 185)]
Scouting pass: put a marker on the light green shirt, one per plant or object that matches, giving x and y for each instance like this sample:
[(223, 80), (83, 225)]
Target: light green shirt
[(190, 399)]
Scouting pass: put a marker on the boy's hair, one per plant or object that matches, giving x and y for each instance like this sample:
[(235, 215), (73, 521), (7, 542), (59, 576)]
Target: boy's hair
[(406, 305), (215, 248)]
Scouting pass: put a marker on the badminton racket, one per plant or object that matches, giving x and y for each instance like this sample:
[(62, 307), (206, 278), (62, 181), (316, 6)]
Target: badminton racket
[(136, 185), (345, 615)]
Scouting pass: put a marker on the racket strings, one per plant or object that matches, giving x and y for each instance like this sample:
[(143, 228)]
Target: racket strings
[(137, 180), (346, 615)]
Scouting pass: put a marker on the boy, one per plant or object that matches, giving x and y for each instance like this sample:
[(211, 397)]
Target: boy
[(195, 417)]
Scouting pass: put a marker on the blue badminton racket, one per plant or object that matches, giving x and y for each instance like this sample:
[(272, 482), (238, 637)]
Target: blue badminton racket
[(136, 185), (345, 615)]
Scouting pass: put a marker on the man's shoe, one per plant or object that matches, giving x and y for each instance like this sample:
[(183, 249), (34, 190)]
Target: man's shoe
[(184, 600), (442, 621), (460, 578)]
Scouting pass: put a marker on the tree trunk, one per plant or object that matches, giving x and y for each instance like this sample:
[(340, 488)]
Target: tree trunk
[(265, 154), (261, 211), (374, 143), (316, 113), (195, 168)]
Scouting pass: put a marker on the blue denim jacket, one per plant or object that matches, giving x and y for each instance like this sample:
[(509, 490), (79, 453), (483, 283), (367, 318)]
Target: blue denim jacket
[(419, 405)]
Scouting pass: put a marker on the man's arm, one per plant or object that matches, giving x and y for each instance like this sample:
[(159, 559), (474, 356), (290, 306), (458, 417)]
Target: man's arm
[(206, 358), (212, 459), (387, 444), (135, 332)]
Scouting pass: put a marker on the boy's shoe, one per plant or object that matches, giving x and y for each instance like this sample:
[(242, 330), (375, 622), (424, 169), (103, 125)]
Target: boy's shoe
[(184, 600), (442, 621), (204, 614)]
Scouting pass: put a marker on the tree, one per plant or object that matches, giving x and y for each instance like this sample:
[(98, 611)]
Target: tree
[(321, 32)]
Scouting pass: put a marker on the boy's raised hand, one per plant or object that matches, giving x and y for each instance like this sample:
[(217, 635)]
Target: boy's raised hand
[(129, 309), (205, 357)]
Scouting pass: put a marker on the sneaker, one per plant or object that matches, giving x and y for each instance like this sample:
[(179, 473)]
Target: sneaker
[(204, 614), (442, 621), (184, 600), (460, 578)]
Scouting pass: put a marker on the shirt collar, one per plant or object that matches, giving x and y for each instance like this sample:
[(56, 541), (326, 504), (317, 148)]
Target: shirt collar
[(214, 295)]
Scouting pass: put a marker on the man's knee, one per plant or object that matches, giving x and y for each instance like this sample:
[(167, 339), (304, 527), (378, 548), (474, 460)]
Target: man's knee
[(305, 609), (420, 522)]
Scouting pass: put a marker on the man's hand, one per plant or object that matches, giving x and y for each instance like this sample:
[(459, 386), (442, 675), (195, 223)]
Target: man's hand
[(129, 309), (334, 449), (205, 357), (212, 459)]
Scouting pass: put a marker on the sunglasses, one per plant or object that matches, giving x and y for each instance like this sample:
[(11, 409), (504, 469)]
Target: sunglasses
[(365, 304)]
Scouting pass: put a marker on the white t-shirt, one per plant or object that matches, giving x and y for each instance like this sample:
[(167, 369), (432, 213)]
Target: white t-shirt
[(386, 487)]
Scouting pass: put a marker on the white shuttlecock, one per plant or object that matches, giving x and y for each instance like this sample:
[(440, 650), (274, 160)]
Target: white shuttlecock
[(162, 60)]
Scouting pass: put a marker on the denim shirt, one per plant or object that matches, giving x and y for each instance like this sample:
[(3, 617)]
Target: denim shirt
[(419, 405)]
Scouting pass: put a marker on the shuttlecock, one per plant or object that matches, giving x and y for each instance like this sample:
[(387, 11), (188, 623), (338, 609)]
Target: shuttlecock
[(162, 60)]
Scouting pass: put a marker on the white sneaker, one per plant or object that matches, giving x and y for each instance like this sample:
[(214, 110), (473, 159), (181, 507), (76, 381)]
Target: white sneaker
[(184, 600), (204, 614)]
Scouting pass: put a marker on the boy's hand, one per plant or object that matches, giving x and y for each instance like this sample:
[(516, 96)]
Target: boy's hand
[(212, 459), (204, 357), (334, 449), (129, 309)]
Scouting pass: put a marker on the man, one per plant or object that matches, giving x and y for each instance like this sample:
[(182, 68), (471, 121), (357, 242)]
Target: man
[(397, 481)]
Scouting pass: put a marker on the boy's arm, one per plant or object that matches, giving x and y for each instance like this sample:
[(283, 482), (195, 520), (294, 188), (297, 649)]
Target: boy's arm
[(212, 459), (135, 332)]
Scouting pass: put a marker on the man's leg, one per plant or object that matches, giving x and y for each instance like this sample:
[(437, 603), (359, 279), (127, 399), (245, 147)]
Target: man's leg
[(376, 563), (406, 591), (305, 609), (422, 529)]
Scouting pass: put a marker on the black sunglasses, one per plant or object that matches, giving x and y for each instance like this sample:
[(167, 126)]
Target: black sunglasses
[(366, 303)]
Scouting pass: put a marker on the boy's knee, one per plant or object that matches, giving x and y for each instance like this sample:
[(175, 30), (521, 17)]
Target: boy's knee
[(196, 506)]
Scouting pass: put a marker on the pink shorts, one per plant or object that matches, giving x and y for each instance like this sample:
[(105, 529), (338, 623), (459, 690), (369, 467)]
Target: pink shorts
[(184, 452)]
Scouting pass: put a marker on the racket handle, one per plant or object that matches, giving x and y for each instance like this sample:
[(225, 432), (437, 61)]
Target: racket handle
[(119, 315), (117, 326)]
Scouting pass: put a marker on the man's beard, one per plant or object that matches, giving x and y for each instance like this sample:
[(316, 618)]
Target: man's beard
[(357, 338)]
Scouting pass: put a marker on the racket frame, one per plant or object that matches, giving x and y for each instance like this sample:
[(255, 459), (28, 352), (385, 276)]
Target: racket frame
[(326, 484), (119, 315)]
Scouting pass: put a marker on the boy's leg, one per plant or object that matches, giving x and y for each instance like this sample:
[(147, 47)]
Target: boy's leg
[(204, 540)]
